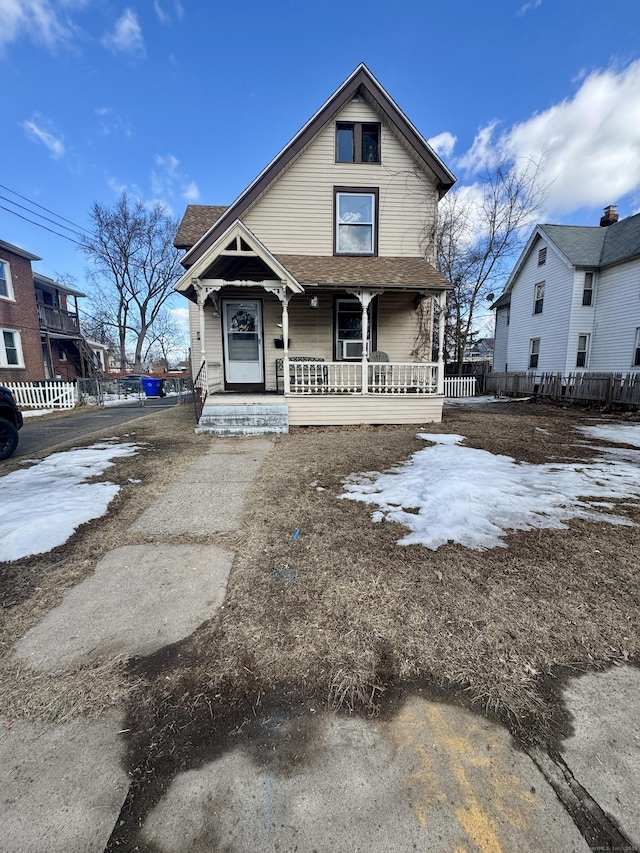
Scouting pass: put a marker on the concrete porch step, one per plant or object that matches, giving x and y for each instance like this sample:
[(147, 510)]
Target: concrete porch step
[(251, 419)]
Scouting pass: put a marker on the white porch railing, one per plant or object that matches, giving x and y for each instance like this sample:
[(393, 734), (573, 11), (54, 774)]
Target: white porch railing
[(344, 377), (460, 386), (43, 395)]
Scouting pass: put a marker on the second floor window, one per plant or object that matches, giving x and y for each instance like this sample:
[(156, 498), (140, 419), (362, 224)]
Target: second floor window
[(357, 142), (587, 291), (355, 222), (6, 291), (538, 298)]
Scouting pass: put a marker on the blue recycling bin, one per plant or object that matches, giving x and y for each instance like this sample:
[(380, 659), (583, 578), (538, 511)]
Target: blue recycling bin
[(152, 387)]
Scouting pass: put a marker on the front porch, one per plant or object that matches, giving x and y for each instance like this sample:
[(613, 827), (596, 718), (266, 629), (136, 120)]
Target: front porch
[(327, 394)]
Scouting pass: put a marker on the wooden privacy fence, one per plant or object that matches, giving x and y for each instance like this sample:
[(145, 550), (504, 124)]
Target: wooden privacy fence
[(43, 395), (610, 389)]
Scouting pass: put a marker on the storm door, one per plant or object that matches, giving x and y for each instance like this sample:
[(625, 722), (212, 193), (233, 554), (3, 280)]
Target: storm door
[(242, 331)]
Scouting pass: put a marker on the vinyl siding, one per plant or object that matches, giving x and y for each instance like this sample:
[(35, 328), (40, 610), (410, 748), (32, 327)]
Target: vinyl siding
[(295, 216), (581, 322), (330, 410), (553, 324), (501, 340), (617, 316)]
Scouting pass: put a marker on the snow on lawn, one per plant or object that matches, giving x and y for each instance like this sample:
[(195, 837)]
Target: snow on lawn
[(41, 506), (447, 492), (616, 433)]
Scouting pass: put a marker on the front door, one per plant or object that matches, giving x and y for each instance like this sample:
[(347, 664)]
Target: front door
[(242, 331)]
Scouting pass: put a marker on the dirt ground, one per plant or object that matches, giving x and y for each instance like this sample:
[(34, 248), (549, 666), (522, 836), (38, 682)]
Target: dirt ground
[(342, 614)]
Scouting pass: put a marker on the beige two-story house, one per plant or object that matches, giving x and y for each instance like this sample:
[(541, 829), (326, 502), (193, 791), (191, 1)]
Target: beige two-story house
[(316, 288)]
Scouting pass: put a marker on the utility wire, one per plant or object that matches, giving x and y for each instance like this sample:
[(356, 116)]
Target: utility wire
[(35, 203), (33, 222), (46, 218)]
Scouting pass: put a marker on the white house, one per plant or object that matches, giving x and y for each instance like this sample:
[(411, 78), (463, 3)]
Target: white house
[(572, 301), (317, 285)]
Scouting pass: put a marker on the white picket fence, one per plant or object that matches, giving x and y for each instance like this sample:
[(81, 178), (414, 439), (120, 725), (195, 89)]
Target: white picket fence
[(43, 395), (459, 386)]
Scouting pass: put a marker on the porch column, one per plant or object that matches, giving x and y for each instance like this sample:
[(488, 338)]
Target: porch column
[(201, 295), (285, 338), (442, 304), (365, 297)]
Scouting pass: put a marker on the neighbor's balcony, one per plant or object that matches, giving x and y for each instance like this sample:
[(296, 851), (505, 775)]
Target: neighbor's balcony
[(344, 377), (57, 320)]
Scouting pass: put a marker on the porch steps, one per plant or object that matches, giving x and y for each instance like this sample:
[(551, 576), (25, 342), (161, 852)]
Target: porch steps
[(234, 420)]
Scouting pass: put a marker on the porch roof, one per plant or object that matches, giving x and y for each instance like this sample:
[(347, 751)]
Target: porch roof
[(364, 271)]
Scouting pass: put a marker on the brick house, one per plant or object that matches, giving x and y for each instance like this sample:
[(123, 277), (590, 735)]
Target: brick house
[(40, 335)]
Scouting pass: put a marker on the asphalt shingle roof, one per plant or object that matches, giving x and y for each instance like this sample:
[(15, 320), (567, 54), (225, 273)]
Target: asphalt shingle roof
[(595, 246), (363, 271), (197, 220)]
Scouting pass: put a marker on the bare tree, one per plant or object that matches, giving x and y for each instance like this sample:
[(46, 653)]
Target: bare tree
[(134, 268), (481, 229), (164, 339)]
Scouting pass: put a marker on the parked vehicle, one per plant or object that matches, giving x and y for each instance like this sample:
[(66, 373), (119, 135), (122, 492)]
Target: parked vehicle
[(10, 422)]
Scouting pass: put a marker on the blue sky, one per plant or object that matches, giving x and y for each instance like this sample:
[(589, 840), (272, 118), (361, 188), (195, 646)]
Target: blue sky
[(185, 102)]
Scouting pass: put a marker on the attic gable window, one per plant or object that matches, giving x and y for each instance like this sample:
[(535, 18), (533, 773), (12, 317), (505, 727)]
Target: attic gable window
[(356, 212), (542, 257), (538, 299), (357, 142)]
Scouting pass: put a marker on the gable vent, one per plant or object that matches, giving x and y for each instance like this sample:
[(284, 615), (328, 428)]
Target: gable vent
[(542, 257)]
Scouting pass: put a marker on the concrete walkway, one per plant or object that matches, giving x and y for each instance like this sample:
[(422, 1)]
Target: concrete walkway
[(433, 777)]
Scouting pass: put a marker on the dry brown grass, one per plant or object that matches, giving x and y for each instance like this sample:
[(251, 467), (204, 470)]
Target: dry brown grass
[(31, 587), (343, 613)]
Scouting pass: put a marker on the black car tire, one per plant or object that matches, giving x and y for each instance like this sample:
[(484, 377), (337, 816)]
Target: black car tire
[(8, 438)]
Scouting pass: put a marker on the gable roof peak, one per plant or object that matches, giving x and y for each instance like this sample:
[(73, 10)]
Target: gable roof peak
[(360, 80)]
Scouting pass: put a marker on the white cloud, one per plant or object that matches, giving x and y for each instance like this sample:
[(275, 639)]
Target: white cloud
[(163, 17), (443, 144), (126, 36), (169, 182), (111, 122), (38, 128), (527, 7), (590, 142), (40, 20), (190, 192)]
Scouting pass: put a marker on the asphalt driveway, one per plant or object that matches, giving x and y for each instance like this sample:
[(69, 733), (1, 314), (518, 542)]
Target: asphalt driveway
[(40, 434)]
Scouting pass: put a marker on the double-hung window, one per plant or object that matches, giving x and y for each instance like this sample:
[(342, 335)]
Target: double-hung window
[(636, 350), (538, 298), (356, 221), (357, 142), (534, 353), (6, 290), (583, 349), (587, 289), (10, 348)]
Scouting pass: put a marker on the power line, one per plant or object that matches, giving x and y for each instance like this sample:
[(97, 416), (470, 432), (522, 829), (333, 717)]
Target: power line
[(46, 218), (24, 198), (33, 222)]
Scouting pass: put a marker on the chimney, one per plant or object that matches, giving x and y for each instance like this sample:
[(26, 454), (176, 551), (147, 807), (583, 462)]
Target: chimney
[(610, 216)]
